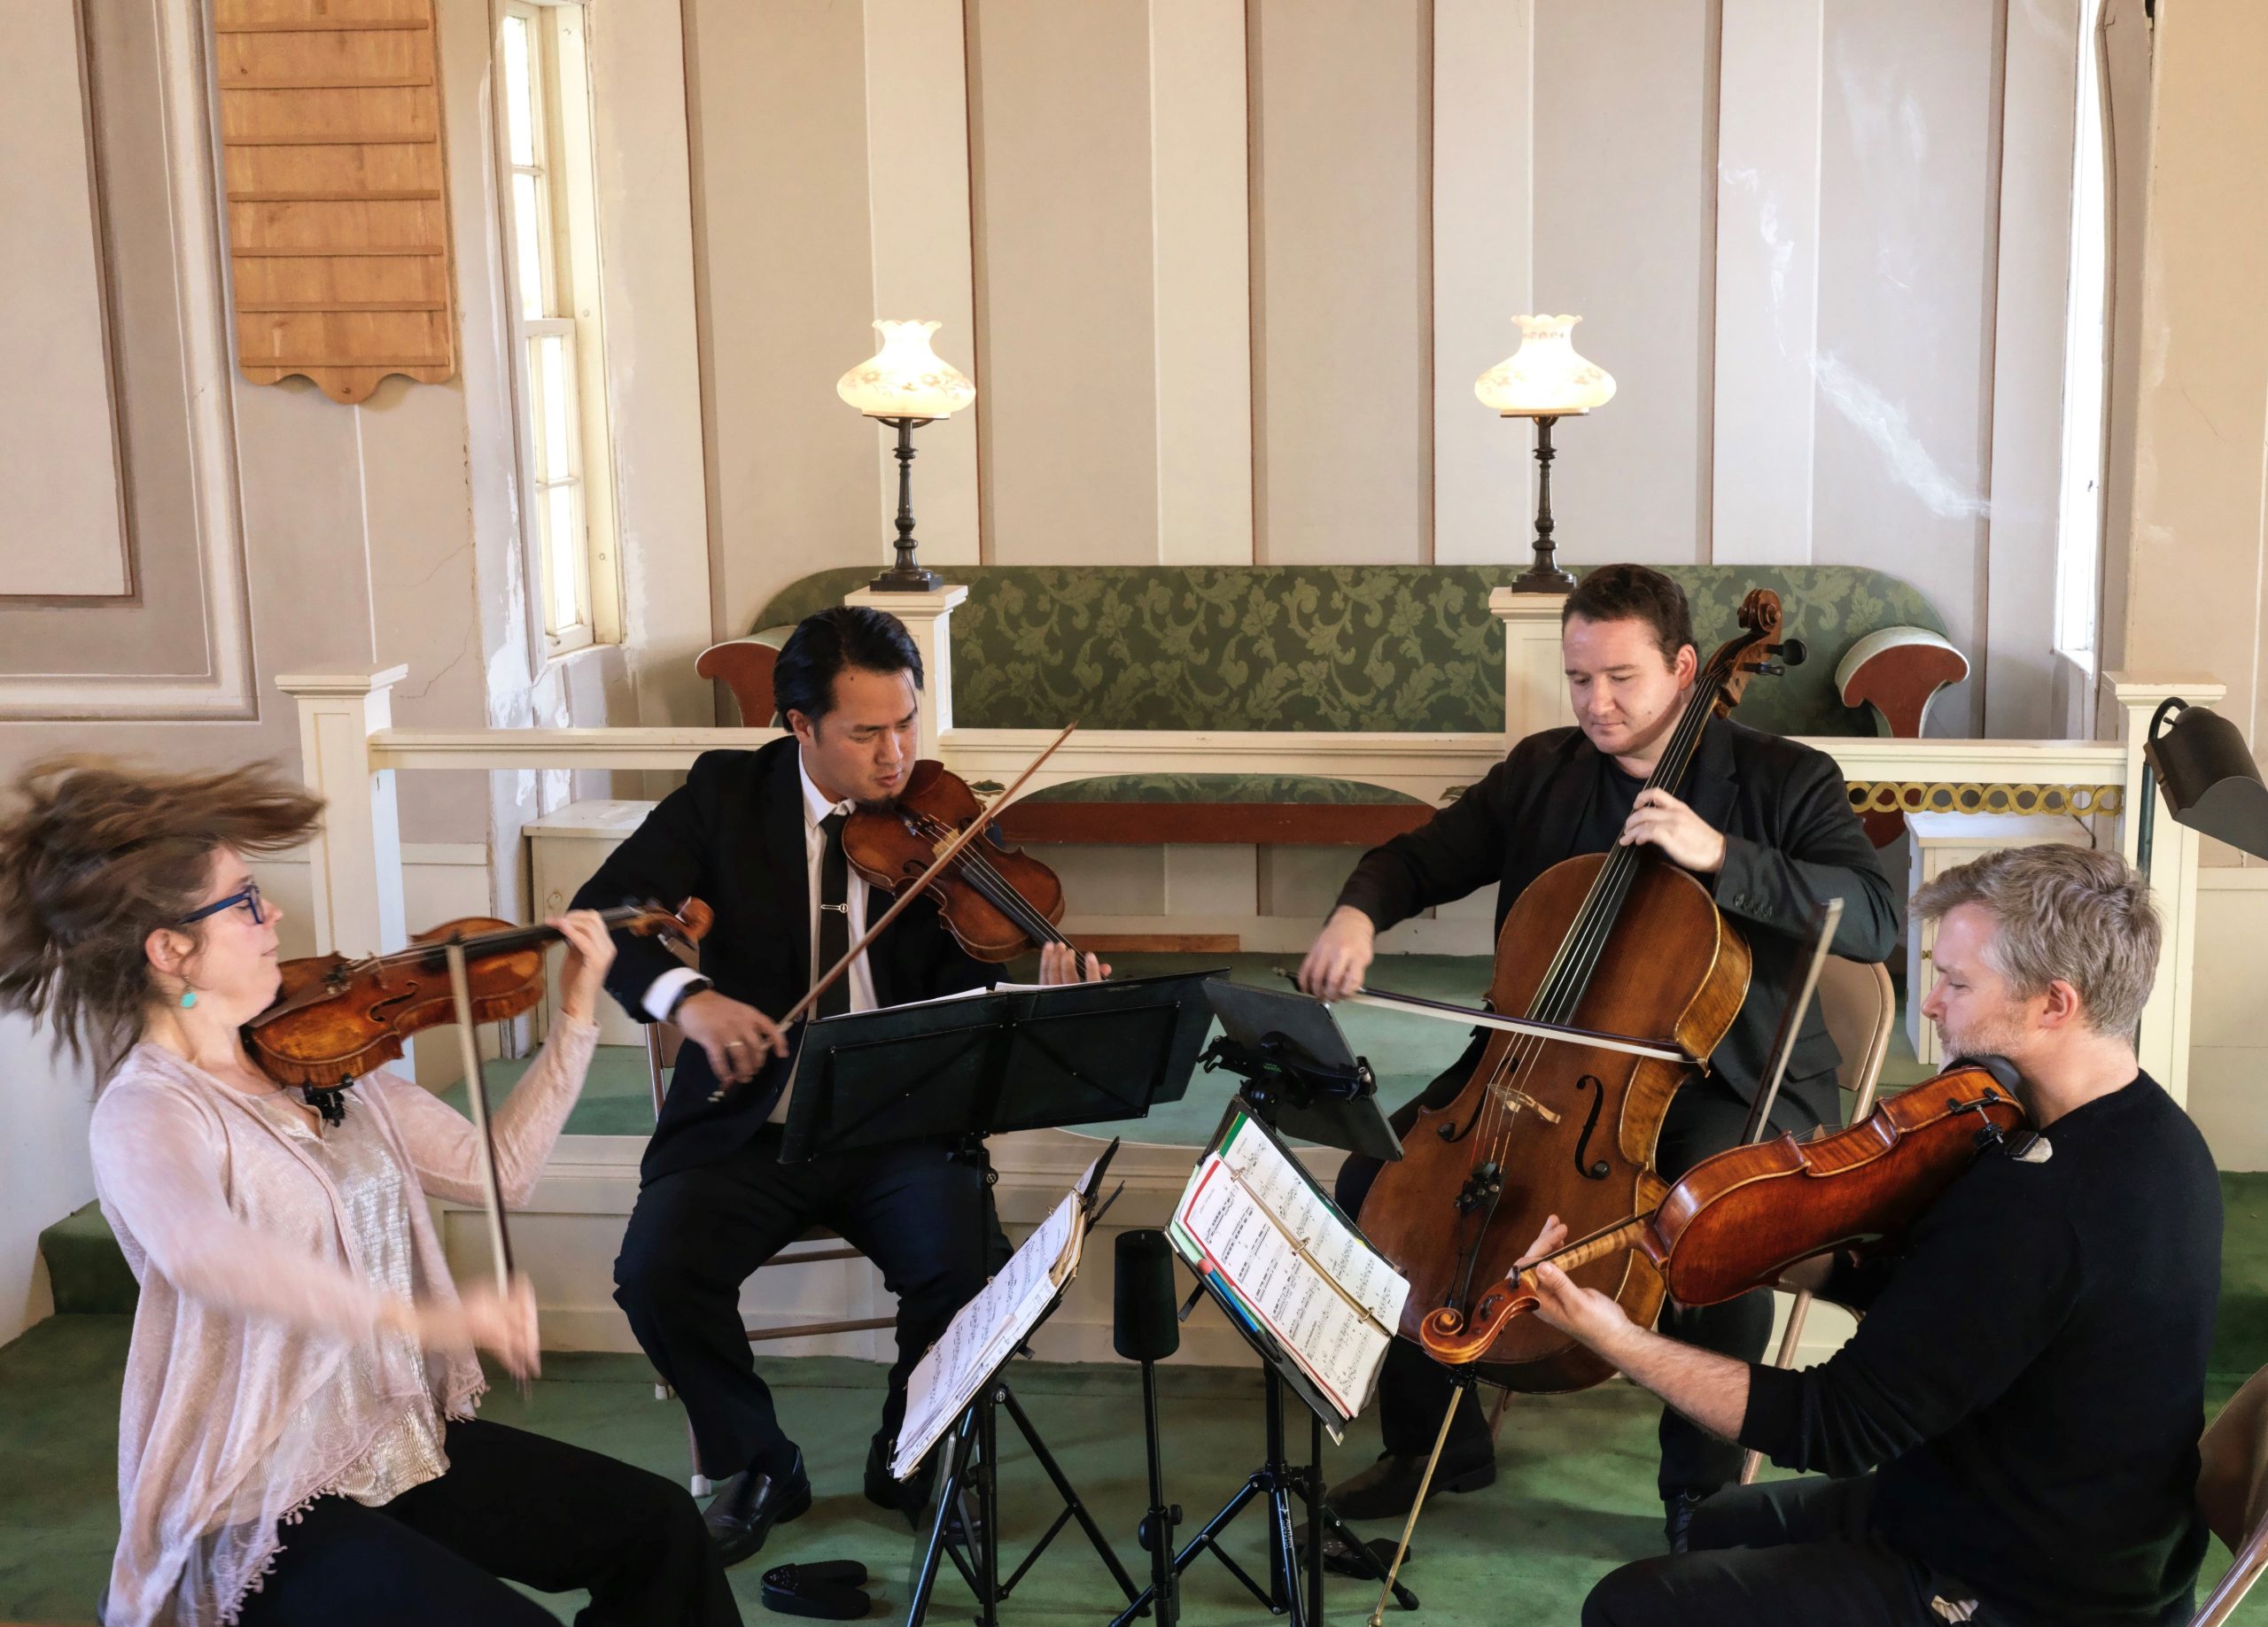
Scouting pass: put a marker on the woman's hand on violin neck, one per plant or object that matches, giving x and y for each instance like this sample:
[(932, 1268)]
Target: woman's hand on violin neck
[(590, 951), (736, 1037), (1340, 955), (503, 1325), (1060, 963), (1684, 837)]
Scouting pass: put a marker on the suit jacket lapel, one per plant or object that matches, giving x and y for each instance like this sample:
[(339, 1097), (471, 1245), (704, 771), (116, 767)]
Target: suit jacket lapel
[(1559, 804), (782, 822), (1713, 783)]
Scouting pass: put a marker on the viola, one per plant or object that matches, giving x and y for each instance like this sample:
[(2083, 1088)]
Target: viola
[(335, 1020), (999, 901), (1622, 942), (1737, 1220)]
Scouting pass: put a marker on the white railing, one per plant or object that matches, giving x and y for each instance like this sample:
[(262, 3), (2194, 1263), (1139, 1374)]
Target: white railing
[(351, 753)]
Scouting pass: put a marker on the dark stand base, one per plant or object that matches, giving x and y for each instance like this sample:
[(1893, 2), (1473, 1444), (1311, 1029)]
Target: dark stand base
[(971, 1487), (1276, 1482)]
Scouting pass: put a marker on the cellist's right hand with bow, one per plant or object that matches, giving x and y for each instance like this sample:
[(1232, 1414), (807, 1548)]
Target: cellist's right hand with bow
[(1341, 955)]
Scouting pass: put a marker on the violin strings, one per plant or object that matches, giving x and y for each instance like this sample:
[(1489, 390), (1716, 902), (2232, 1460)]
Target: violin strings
[(996, 888), (1000, 891)]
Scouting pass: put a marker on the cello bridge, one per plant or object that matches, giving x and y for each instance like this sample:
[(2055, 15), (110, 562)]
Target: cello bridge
[(1513, 1101)]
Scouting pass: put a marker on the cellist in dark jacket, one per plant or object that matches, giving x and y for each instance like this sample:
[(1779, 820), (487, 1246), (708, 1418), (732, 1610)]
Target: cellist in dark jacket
[(1764, 822)]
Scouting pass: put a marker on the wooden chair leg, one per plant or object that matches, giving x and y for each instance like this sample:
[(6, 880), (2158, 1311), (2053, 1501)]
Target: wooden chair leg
[(698, 1483), (1751, 1462), (1496, 1413)]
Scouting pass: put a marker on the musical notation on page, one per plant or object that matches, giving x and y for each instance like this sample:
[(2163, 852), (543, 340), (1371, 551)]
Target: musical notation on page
[(1299, 1276)]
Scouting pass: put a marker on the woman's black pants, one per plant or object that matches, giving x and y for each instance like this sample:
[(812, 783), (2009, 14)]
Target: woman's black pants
[(514, 1507)]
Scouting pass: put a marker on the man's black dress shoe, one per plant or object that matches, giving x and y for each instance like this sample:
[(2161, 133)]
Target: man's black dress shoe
[(1389, 1486), (748, 1505), (1677, 1517), (883, 1490)]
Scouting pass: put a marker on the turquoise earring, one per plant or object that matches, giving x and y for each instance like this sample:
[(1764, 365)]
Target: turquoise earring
[(187, 999)]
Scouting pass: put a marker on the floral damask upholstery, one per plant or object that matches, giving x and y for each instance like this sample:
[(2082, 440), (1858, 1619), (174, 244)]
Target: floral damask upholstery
[(1401, 647)]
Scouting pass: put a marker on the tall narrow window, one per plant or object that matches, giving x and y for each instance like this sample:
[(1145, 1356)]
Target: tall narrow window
[(2079, 549), (566, 454)]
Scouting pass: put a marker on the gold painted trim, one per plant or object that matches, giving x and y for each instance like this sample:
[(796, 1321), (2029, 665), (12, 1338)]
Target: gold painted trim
[(1980, 797)]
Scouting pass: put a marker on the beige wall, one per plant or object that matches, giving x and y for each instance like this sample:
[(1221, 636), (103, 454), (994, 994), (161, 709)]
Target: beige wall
[(1232, 269), (2186, 536), (274, 530)]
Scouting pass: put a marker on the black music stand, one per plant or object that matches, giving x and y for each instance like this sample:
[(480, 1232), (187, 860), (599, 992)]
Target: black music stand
[(1017, 1059), (970, 1483), (962, 1070), (1345, 1120), (1300, 1076)]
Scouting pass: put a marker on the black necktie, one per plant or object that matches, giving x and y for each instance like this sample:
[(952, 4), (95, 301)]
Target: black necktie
[(834, 917)]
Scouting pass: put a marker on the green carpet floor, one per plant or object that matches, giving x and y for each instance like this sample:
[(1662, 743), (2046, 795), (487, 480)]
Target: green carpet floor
[(1574, 1500)]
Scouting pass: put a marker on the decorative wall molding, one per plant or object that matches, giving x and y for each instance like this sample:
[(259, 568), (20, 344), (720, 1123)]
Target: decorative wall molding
[(79, 581), (224, 688)]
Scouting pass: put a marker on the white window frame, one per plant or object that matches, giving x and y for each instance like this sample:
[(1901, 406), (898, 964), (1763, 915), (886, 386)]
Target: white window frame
[(2087, 363), (566, 452)]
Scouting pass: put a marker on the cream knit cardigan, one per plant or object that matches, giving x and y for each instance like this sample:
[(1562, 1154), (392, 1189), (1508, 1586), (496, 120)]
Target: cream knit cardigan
[(252, 1295)]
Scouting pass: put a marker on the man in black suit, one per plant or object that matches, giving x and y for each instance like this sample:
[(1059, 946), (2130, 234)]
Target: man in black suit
[(1764, 821), (757, 835)]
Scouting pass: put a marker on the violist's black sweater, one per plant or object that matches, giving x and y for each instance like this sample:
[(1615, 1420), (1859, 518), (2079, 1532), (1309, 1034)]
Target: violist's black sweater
[(2030, 1375)]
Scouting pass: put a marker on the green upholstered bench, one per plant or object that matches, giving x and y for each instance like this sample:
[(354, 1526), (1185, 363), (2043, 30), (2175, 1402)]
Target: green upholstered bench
[(1323, 649)]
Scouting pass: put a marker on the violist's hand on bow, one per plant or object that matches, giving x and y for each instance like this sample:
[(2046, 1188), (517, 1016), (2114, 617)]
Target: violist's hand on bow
[(1060, 963)]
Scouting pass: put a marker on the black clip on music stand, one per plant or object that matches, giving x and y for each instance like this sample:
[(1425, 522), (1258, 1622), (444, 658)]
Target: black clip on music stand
[(1302, 1081), (1026, 1060)]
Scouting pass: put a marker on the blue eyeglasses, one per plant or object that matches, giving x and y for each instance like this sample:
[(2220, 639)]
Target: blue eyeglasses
[(249, 899)]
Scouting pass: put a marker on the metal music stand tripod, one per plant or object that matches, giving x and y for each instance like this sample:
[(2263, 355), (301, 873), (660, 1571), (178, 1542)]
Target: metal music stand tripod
[(1302, 1081), (960, 1070)]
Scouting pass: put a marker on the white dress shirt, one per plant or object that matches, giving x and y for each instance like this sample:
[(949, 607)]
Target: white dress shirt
[(663, 989)]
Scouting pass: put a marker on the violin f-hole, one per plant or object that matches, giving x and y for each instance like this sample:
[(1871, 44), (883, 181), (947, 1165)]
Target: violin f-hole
[(1600, 1170)]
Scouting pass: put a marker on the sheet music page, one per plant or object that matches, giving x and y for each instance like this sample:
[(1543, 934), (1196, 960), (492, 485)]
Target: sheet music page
[(972, 994), (1286, 1191), (1282, 1287), (983, 1333)]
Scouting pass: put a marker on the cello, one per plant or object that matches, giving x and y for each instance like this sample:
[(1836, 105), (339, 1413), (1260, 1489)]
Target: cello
[(1622, 942)]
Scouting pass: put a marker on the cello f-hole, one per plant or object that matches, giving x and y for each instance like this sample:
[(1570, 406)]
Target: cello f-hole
[(1458, 1132), (1599, 1170)]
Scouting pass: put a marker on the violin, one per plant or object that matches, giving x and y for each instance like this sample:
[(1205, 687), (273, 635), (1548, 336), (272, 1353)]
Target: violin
[(998, 902), (1738, 1219), (335, 1020), (1622, 942)]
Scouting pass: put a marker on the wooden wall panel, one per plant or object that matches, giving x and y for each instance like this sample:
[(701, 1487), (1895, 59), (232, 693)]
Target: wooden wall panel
[(338, 222)]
